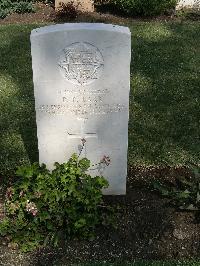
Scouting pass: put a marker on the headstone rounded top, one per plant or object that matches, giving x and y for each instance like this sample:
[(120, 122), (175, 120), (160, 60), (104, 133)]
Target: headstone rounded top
[(79, 26)]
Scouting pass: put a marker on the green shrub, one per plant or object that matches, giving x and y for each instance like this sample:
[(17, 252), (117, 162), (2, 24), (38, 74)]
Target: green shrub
[(8, 6), (45, 207), (185, 194), (23, 7), (142, 7), (68, 10)]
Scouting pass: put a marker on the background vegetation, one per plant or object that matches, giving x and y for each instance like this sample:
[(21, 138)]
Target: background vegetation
[(127, 7), (8, 6), (140, 7), (164, 99)]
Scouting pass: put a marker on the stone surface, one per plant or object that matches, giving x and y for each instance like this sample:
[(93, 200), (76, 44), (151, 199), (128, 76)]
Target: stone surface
[(81, 78), (188, 4), (81, 5)]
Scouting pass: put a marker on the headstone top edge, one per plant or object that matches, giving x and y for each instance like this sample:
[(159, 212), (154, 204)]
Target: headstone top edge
[(79, 26)]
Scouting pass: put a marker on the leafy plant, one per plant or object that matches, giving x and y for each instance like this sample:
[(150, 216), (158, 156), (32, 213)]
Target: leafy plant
[(185, 194), (68, 10), (46, 207), (23, 7), (8, 6), (141, 7)]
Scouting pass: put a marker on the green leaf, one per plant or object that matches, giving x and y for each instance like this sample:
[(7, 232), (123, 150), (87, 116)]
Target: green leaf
[(196, 171), (46, 241), (80, 223), (56, 239), (84, 164), (57, 165), (190, 207), (163, 190), (198, 197), (185, 182), (183, 194), (63, 179), (50, 226)]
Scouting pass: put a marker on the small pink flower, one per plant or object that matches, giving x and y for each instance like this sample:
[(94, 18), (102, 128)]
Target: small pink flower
[(14, 206), (21, 194), (31, 208), (83, 141), (9, 193), (34, 212), (37, 194), (106, 160)]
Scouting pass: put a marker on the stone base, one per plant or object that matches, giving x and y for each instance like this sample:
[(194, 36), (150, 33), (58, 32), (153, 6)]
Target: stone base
[(82, 5), (188, 4)]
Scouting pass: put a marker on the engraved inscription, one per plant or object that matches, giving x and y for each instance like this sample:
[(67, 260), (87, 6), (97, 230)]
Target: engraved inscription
[(82, 99), (81, 63), (82, 103), (82, 91), (82, 110)]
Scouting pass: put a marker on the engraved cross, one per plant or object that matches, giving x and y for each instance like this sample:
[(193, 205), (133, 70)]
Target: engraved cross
[(82, 134)]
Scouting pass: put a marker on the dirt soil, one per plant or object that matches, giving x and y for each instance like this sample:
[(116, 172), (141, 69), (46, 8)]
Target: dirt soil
[(148, 227)]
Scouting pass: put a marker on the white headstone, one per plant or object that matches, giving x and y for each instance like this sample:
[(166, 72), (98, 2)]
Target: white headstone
[(81, 78), (188, 4)]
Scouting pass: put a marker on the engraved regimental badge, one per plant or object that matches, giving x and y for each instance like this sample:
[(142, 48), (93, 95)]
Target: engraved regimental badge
[(81, 63)]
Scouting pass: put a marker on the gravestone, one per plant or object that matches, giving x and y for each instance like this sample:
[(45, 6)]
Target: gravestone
[(81, 5), (81, 76), (182, 4)]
